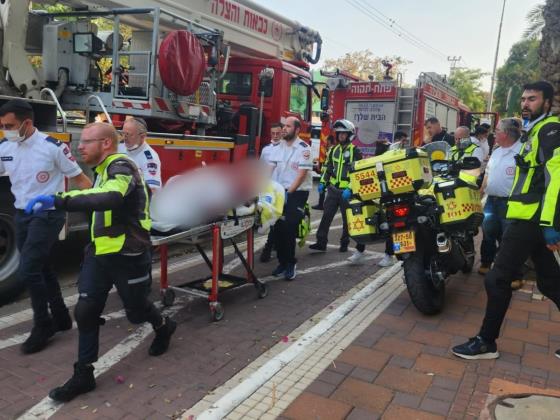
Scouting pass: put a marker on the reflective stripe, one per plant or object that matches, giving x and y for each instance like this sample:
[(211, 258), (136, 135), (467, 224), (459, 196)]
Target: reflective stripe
[(139, 279)]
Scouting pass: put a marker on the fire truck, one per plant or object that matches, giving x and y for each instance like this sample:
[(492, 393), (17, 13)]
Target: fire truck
[(208, 76), (381, 108)]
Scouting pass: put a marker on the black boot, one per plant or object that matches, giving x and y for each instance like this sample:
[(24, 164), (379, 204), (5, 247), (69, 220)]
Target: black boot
[(39, 337), (62, 320), (162, 338), (82, 381)]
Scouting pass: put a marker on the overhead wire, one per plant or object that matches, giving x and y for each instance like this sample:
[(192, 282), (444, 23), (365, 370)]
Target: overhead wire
[(365, 8)]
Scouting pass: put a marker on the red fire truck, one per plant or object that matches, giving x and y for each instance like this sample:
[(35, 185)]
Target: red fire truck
[(209, 76), (380, 108)]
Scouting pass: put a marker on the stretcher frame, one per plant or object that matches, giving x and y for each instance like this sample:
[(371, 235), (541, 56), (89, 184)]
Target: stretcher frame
[(227, 230)]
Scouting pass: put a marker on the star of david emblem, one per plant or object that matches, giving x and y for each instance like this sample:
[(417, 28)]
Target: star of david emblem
[(452, 205), (358, 225)]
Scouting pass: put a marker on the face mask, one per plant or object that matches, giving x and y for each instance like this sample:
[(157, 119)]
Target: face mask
[(132, 148), (465, 142), (14, 135)]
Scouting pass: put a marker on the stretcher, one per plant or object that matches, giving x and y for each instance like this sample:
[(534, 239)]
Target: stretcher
[(219, 233)]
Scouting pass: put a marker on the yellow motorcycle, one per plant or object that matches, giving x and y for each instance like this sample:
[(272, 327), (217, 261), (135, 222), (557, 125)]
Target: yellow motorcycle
[(430, 208)]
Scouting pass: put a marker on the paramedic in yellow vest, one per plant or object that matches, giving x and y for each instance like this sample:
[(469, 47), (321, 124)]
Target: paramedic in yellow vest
[(335, 180), (118, 254), (464, 146), (534, 210)]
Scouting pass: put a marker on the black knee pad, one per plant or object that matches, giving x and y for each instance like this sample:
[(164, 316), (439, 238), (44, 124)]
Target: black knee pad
[(137, 315), (86, 313)]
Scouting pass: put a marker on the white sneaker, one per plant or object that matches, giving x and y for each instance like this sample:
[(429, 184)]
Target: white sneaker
[(387, 261), (357, 257)]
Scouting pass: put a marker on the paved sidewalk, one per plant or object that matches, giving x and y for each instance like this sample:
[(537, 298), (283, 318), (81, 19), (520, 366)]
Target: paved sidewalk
[(401, 367)]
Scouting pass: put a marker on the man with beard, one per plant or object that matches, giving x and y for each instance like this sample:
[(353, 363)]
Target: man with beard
[(292, 164), (118, 254), (534, 210)]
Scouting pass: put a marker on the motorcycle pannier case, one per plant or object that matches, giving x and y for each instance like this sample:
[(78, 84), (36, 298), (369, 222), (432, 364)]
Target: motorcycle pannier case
[(403, 171), (460, 203), (362, 219)]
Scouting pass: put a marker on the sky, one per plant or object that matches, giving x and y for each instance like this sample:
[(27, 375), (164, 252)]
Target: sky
[(452, 27)]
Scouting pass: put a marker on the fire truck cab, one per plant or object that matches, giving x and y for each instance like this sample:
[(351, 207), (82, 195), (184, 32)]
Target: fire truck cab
[(381, 108), (208, 76)]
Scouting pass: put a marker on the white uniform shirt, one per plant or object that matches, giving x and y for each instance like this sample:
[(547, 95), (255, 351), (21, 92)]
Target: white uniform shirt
[(485, 147), (36, 166), (148, 163), (288, 160), (501, 170), (267, 152)]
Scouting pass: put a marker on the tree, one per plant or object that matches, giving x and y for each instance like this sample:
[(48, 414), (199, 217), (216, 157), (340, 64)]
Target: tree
[(468, 84), (549, 50), (521, 66), (535, 18), (364, 63)]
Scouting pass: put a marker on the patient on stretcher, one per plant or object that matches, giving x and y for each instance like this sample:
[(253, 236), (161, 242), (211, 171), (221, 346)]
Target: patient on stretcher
[(209, 194)]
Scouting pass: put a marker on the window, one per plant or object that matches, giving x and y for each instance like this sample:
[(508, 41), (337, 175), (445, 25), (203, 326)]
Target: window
[(299, 98), (239, 84)]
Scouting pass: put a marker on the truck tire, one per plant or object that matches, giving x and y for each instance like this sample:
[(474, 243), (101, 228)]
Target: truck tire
[(9, 256), (423, 293)]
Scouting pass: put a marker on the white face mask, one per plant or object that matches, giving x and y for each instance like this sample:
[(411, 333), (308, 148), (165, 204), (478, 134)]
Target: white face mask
[(132, 148), (13, 135)]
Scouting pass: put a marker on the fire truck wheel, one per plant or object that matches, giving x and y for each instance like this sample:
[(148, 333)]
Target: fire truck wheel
[(262, 290), (217, 311), (168, 297), (9, 257)]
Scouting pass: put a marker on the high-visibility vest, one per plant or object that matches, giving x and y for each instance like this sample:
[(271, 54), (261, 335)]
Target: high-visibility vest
[(536, 185)]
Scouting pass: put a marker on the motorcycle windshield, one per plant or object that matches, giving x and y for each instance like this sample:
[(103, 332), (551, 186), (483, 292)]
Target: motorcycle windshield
[(438, 151)]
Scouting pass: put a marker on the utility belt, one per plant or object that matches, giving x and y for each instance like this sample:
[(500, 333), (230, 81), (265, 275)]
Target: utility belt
[(497, 198)]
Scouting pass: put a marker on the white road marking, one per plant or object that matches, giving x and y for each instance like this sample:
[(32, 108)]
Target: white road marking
[(47, 407), (252, 383), (27, 314)]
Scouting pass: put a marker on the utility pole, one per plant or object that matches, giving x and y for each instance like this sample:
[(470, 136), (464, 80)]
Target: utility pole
[(453, 60), (491, 98)]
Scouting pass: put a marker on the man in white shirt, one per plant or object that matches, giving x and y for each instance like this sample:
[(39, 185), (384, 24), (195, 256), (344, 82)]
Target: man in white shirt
[(37, 164), (480, 138), (267, 151), (134, 132), (292, 164), (497, 184)]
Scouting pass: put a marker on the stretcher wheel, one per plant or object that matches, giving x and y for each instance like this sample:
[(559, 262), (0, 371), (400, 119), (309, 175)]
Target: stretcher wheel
[(168, 297), (262, 290), (217, 311)]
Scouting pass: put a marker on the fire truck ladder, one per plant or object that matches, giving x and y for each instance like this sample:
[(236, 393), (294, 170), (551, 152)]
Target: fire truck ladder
[(405, 111)]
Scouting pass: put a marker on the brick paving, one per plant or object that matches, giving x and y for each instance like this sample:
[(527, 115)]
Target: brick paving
[(401, 367), (203, 355)]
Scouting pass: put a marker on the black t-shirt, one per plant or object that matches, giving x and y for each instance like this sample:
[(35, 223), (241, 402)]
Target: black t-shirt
[(443, 136)]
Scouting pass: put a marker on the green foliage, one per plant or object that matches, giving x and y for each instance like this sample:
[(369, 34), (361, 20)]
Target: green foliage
[(535, 19), (364, 63), (522, 66), (468, 84)]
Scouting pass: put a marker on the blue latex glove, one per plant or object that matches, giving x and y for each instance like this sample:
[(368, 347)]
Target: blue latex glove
[(551, 236), (346, 194), (42, 202), (321, 188)]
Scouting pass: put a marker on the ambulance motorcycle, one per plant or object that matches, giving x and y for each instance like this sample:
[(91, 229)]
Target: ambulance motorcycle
[(431, 209)]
